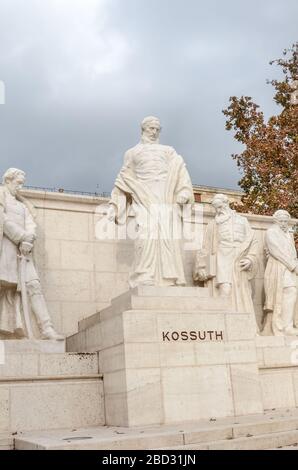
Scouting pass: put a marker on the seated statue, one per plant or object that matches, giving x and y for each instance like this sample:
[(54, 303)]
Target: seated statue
[(19, 280), (228, 257), (280, 280)]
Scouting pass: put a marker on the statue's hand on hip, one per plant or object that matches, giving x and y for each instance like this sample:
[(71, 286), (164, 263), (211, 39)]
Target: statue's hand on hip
[(245, 264)]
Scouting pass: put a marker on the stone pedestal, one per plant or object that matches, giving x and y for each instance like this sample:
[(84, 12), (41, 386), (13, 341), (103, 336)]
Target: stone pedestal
[(278, 370), (173, 355)]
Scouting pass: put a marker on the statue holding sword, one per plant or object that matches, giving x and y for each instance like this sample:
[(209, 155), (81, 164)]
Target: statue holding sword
[(20, 289)]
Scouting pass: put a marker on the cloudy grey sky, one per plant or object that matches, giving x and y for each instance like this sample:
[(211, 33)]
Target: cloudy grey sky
[(81, 74)]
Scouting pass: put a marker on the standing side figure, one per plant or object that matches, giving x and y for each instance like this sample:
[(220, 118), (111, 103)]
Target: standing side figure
[(228, 257), (18, 276), (281, 272), (155, 182)]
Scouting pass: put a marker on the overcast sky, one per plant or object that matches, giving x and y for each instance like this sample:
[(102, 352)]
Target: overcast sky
[(80, 75)]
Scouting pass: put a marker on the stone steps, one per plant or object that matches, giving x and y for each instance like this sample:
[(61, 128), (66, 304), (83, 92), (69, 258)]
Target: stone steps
[(258, 432), (6, 442), (158, 298), (37, 366), (293, 447), (263, 442), (45, 391)]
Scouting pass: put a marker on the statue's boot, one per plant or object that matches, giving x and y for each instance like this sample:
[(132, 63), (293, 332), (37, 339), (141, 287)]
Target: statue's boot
[(40, 310), (49, 333)]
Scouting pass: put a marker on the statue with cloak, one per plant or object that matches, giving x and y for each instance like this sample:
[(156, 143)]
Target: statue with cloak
[(155, 183)]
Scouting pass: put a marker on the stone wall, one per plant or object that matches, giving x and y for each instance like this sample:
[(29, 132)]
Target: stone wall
[(80, 274)]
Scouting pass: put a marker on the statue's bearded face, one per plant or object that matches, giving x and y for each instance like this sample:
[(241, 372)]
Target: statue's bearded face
[(221, 207), (283, 222), (15, 184), (152, 131)]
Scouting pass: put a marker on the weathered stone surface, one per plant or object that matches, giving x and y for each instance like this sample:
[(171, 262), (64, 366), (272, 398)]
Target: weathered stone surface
[(262, 431), (166, 365), (45, 391)]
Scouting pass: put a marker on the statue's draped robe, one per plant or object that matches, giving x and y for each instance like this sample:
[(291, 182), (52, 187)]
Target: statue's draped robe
[(224, 245), (279, 274), (151, 179), (16, 219)]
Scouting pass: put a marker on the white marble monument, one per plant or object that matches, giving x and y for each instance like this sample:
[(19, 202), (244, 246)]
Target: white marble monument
[(281, 272), (228, 257), (172, 355), (154, 181), (19, 280)]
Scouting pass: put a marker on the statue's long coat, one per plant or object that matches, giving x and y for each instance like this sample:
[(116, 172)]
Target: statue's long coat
[(10, 236)]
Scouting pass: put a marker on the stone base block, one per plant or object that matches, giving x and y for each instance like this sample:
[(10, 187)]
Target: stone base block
[(50, 405), (166, 365), (278, 368), (41, 391)]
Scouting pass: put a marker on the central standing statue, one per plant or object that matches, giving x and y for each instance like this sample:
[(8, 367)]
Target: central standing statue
[(154, 180)]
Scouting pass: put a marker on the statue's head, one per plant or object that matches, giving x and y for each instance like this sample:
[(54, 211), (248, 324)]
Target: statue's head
[(151, 129), (221, 203), (282, 218), (14, 180)]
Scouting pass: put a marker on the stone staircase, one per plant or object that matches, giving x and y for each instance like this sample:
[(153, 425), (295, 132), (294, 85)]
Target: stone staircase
[(42, 387), (160, 298), (6, 442), (50, 399), (163, 299), (271, 430)]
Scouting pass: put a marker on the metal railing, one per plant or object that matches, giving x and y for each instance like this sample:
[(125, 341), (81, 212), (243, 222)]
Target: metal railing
[(69, 191)]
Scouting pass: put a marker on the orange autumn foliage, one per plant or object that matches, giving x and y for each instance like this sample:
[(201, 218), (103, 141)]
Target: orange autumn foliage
[(269, 161)]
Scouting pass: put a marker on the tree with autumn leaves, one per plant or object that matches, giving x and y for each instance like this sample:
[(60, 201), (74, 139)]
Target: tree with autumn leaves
[(269, 161)]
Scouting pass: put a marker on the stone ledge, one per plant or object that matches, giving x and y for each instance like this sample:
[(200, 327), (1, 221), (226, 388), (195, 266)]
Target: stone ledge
[(33, 346), (171, 299), (55, 378), (263, 431), (38, 365)]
